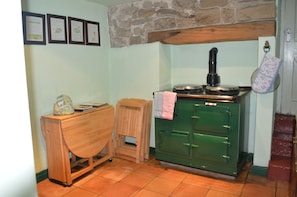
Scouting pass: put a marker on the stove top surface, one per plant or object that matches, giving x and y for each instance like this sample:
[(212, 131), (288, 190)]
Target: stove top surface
[(206, 89), (189, 89)]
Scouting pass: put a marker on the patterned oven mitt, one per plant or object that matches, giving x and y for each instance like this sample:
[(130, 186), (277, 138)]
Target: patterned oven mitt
[(266, 74)]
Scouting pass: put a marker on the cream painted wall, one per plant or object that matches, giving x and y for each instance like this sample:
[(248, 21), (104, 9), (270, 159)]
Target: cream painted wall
[(264, 119), (134, 71), (79, 71), (16, 150), (165, 67), (236, 61), (137, 71)]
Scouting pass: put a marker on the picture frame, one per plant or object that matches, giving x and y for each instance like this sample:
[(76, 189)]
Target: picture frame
[(92, 33), (76, 28), (56, 27), (33, 28)]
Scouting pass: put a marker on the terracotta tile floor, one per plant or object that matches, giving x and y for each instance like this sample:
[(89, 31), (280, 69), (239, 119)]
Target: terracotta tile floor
[(121, 178)]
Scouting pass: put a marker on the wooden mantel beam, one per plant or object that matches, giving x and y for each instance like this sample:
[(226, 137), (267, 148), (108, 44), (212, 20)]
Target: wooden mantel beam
[(220, 33)]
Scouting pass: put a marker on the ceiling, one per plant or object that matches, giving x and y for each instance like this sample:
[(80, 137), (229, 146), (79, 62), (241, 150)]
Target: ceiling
[(111, 2)]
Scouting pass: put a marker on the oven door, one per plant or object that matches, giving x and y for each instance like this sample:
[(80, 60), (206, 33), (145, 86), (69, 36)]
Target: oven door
[(210, 148), (211, 118), (172, 143)]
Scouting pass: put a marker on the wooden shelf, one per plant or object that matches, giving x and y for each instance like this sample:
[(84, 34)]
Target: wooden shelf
[(220, 33)]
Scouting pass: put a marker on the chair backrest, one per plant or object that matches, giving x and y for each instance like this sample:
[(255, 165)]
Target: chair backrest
[(129, 116)]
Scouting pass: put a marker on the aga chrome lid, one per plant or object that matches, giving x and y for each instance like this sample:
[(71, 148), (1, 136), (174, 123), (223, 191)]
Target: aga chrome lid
[(188, 88), (222, 90)]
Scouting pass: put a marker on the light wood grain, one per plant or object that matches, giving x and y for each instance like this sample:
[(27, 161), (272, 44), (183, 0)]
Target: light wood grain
[(87, 136), (133, 119), (219, 33)]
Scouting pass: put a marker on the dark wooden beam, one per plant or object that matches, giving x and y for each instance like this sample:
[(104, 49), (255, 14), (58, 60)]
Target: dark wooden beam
[(219, 33)]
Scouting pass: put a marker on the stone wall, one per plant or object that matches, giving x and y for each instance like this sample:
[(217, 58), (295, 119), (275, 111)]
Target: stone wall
[(130, 23)]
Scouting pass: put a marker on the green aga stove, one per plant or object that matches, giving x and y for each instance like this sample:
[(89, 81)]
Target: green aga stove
[(209, 130)]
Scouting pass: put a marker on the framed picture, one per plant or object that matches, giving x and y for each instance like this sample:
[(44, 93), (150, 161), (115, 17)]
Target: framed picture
[(76, 28), (92, 33), (56, 27), (33, 28)]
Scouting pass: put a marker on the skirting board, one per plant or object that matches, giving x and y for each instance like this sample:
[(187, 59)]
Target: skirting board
[(260, 171), (41, 176)]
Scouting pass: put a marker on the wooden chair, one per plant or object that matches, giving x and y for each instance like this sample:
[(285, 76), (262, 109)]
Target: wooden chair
[(133, 119)]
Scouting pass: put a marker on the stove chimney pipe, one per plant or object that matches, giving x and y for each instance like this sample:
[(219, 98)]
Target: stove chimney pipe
[(213, 79)]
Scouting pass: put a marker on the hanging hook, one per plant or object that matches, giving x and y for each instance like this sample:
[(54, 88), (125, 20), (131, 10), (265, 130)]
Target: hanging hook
[(266, 47)]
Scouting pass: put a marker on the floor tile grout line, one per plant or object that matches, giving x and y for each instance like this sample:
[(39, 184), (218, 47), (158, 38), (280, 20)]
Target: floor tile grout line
[(275, 186), (178, 185)]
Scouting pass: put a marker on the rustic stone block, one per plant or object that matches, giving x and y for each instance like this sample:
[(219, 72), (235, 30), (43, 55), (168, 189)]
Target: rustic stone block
[(138, 22), (208, 17), (148, 26), (186, 23), (227, 15), (167, 12), (122, 32), (164, 23), (212, 3), (124, 23), (255, 1), (252, 12), (184, 4), (145, 13), (188, 13), (135, 40), (247, 1), (128, 12), (161, 4), (147, 5), (137, 31)]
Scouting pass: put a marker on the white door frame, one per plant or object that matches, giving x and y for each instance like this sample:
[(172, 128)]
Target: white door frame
[(288, 45)]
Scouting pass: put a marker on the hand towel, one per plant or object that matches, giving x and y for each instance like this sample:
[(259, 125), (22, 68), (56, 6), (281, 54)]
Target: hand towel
[(164, 103), (169, 100), (266, 74)]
